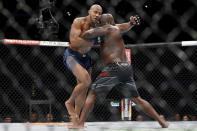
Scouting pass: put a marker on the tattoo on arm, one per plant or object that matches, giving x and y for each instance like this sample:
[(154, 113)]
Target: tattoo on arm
[(124, 27), (95, 32)]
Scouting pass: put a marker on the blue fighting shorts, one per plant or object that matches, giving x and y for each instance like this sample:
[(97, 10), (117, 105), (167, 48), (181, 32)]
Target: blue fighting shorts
[(83, 59)]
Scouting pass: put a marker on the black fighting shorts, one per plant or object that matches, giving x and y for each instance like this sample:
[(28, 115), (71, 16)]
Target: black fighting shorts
[(117, 73)]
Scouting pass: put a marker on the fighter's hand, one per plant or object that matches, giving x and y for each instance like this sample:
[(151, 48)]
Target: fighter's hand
[(135, 20)]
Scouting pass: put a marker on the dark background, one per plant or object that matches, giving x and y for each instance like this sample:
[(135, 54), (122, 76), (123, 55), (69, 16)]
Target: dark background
[(165, 76)]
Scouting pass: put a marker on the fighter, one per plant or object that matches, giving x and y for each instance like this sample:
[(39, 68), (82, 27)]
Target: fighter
[(77, 59), (117, 70)]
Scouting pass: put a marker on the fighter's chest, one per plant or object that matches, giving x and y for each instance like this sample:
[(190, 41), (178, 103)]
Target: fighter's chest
[(85, 27)]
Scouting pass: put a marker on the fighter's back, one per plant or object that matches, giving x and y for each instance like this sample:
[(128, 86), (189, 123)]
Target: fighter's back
[(113, 49)]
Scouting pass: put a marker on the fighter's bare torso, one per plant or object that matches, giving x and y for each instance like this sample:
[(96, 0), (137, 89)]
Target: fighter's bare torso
[(113, 49), (84, 24)]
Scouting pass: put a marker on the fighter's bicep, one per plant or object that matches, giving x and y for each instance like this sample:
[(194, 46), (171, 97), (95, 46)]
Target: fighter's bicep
[(75, 29)]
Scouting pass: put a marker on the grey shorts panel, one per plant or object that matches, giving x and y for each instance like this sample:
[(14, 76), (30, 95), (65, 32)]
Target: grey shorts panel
[(116, 75), (128, 90), (71, 62), (104, 84)]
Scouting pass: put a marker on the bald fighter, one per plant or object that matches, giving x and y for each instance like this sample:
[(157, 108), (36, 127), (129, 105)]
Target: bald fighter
[(117, 70), (77, 60)]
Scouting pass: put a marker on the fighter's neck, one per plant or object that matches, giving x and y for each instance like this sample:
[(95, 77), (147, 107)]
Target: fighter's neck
[(92, 24)]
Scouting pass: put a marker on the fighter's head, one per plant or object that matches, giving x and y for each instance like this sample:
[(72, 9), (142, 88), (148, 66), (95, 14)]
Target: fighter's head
[(107, 19), (95, 13)]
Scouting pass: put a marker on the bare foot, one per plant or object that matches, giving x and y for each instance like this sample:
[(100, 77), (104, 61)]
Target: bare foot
[(80, 125), (77, 127), (164, 124), (74, 119), (70, 108)]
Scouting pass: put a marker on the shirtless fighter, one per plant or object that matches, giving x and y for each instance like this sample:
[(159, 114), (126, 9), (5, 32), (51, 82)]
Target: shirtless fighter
[(77, 59), (117, 70)]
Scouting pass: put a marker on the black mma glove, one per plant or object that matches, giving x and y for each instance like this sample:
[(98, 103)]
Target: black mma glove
[(135, 20)]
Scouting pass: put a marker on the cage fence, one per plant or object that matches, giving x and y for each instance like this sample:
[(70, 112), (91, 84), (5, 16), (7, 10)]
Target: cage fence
[(35, 81)]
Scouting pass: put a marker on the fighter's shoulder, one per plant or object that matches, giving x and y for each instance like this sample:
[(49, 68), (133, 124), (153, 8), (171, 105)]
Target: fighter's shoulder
[(111, 27), (79, 20)]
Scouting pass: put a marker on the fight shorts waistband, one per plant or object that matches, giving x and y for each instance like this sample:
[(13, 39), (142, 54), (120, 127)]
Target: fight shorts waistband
[(79, 55), (126, 63)]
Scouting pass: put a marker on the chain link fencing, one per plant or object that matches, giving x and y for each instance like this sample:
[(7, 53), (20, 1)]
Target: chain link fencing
[(33, 79)]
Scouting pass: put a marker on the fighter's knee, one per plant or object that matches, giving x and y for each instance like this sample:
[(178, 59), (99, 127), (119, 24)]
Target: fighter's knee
[(86, 81), (67, 102), (91, 94)]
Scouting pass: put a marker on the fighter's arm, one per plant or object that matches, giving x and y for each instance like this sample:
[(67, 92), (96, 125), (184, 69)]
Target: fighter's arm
[(75, 39), (124, 27), (99, 31)]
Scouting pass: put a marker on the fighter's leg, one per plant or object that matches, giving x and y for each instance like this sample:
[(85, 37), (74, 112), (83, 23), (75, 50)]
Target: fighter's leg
[(98, 90), (80, 100), (150, 111), (88, 105), (84, 81)]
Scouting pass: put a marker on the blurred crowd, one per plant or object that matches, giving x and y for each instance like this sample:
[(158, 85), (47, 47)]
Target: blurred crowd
[(33, 119), (49, 118), (176, 117)]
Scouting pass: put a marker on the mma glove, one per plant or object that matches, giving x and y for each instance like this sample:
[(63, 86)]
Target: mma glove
[(136, 19)]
